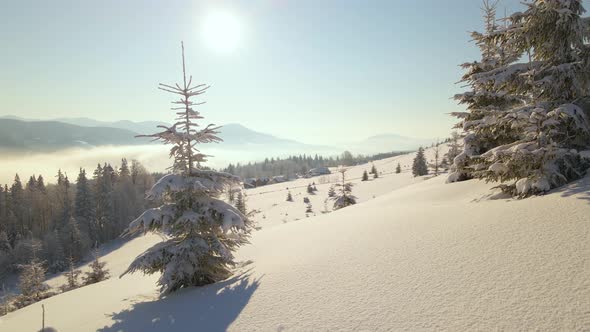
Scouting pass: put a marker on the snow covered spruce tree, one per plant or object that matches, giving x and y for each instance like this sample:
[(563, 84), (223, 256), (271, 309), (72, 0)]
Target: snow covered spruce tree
[(398, 168), (97, 272), (71, 276), (241, 203), (419, 167), (486, 101), (540, 128), (332, 191), (31, 281), (343, 197), (365, 176), (202, 230)]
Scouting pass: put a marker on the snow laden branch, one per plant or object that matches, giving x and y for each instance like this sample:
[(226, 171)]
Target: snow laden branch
[(201, 230), (199, 180)]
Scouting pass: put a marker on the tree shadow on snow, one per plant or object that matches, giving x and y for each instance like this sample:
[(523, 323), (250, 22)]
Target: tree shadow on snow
[(580, 187), (208, 308)]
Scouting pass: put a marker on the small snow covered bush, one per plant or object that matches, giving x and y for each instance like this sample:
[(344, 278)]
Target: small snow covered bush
[(343, 197)]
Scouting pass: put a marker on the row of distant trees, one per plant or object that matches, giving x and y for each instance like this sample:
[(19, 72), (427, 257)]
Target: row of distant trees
[(67, 218), (293, 165)]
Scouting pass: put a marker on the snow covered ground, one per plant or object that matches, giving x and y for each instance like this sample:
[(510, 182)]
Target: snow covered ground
[(421, 255)]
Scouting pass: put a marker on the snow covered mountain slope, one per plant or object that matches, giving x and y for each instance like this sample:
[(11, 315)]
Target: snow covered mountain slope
[(426, 256), (275, 210)]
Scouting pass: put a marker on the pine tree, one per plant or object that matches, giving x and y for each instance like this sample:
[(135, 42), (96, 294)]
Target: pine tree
[(454, 147), (70, 235), (203, 230), (5, 301), (31, 281), (97, 271), (124, 169), (310, 189), (344, 198), (71, 276), (373, 169), (17, 205), (536, 130), (436, 165), (5, 254), (84, 205), (104, 203), (241, 203), (4, 243), (365, 176), (419, 167), (486, 102), (376, 174), (332, 191), (309, 208), (3, 208), (398, 168), (54, 252), (444, 164), (289, 197), (42, 206), (231, 193)]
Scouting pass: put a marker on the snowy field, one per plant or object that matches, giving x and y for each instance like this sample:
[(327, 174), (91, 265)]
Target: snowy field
[(413, 255)]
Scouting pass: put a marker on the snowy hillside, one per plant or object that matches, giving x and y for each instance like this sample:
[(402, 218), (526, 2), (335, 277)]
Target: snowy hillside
[(421, 255), (274, 209)]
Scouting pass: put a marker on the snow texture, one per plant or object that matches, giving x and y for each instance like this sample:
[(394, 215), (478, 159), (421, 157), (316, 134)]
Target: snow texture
[(403, 261)]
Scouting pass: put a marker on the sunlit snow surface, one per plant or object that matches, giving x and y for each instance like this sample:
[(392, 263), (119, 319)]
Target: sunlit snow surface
[(421, 255)]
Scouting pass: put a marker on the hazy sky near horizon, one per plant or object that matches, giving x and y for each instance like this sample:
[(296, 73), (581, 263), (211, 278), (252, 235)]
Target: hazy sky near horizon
[(315, 71)]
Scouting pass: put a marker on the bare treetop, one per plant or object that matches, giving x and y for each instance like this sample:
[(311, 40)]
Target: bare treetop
[(183, 134)]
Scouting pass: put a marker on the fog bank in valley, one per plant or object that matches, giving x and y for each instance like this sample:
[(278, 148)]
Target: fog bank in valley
[(153, 157)]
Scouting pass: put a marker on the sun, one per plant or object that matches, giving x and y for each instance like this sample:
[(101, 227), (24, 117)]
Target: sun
[(221, 31)]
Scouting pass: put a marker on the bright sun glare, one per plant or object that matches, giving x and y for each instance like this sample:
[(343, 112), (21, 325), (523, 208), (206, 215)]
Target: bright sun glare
[(221, 31)]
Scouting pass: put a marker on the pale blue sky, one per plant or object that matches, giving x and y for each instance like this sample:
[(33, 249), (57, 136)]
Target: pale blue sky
[(316, 71)]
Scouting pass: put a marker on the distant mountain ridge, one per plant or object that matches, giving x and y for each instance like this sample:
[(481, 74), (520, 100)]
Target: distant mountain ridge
[(41, 135), (28, 135), (389, 142)]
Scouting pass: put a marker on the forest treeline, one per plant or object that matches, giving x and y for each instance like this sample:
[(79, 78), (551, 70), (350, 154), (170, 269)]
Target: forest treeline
[(292, 166), (62, 220)]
